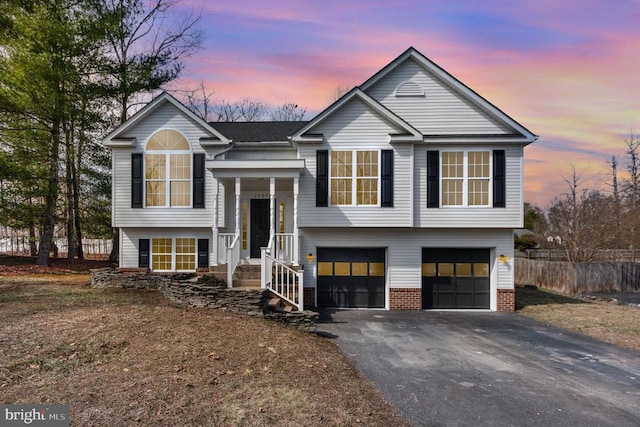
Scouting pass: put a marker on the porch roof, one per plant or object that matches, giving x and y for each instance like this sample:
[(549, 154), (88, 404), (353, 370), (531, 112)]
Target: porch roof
[(289, 168)]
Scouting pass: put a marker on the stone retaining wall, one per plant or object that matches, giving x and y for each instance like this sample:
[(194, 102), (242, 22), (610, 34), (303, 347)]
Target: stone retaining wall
[(189, 290)]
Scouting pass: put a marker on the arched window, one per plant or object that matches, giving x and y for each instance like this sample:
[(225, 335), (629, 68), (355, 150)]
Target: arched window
[(168, 170)]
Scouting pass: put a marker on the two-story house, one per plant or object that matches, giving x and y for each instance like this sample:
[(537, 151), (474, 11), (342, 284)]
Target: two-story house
[(403, 194)]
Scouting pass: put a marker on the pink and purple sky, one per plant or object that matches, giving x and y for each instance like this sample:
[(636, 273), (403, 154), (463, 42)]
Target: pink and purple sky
[(568, 70)]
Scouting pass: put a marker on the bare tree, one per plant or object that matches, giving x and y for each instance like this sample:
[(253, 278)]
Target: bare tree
[(633, 167), (631, 189), (199, 101), (147, 45), (581, 219), (246, 110), (340, 91), (617, 203), (288, 111)]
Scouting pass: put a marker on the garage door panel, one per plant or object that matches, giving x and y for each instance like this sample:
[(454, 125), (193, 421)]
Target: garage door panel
[(464, 300), (465, 285), (446, 300), (325, 292), (482, 299), (455, 278), (351, 277)]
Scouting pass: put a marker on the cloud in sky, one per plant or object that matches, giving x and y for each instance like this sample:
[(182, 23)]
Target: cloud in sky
[(567, 70)]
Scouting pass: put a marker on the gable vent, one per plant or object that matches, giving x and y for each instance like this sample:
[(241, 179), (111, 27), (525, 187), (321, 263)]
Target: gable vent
[(409, 89)]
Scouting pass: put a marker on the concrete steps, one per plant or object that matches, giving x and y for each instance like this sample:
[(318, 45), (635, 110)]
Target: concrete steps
[(247, 276)]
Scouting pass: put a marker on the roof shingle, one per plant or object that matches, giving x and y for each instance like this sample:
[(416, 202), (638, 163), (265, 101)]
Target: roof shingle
[(257, 131)]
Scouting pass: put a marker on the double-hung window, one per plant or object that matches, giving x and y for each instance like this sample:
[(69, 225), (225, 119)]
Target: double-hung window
[(465, 178), (177, 254), (168, 170), (354, 178)]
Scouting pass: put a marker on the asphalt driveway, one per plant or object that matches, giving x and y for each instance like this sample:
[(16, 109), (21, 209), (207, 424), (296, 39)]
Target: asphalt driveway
[(493, 369)]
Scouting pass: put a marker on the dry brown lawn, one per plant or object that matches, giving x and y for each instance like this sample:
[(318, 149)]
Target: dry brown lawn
[(613, 323), (128, 358)]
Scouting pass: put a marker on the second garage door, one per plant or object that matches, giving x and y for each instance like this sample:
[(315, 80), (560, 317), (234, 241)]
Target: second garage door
[(351, 277), (455, 278)]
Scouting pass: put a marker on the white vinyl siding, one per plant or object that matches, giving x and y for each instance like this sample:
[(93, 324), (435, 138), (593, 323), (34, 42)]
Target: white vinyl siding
[(165, 117), (131, 236), (404, 251), (355, 127), (441, 111), (470, 216)]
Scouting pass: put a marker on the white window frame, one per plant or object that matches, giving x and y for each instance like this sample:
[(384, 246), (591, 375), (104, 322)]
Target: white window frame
[(167, 179), (465, 179), (173, 254), (354, 177)]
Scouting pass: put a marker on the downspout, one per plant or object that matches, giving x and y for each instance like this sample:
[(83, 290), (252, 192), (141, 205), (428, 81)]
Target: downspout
[(226, 150)]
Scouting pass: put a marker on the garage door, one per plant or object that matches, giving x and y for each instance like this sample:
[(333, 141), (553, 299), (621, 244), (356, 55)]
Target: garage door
[(351, 277), (455, 278)]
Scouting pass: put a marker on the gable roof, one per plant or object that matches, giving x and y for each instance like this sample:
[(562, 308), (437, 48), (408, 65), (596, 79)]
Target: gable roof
[(113, 139), (409, 132), (453, 82), (258, 131)]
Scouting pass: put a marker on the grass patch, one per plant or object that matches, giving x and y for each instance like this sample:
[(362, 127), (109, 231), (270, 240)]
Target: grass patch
[(127, 357), (613, 323), (530, 296)]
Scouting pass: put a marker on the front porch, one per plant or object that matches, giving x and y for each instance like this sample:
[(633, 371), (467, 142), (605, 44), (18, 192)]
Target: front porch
[(255, 222)]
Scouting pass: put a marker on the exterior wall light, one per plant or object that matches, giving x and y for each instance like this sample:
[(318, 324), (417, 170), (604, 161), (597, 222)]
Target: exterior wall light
[(503, 259), (310, 258)]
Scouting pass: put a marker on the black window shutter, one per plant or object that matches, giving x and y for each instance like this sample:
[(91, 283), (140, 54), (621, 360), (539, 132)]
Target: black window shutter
[(136, 180), (387, 179), (433, 178), (203, 253), (499, 181), (198, 180), (143, 253), (322, 178)]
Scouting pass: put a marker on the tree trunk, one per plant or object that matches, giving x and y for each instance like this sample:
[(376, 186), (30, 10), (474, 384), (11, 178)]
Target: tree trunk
[(71, 247), (51, 199), (76, 202), (115, 246), (33, 249), (76, 167)]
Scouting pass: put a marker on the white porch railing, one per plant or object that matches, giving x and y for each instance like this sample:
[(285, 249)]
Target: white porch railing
[(224, 242), (233, 258), (283, 281), (283, 249)]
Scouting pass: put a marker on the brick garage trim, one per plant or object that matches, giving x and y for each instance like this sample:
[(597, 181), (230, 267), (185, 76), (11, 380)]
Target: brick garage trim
[(309, 297), (405, 298), (506, 300)]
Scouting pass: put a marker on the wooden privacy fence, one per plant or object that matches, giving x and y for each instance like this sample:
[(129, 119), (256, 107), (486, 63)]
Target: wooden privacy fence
[(602, 255), (579, 278)]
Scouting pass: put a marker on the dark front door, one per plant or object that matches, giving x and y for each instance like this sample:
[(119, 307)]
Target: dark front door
[(259, 226), (456, 278)]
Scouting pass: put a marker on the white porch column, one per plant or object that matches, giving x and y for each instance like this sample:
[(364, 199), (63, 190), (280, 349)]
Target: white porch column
[(214, 228), (238, 207), (272, 211), (296, 240)]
